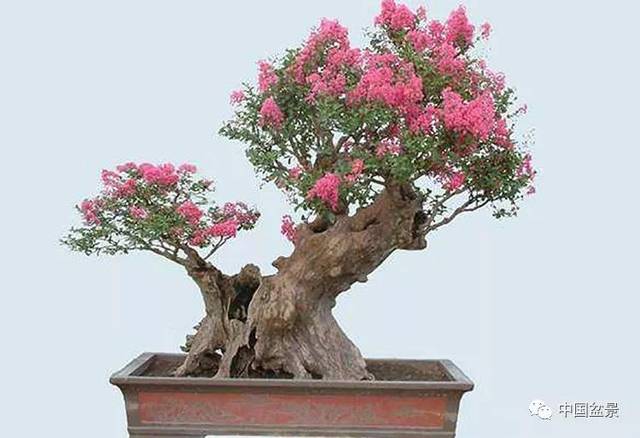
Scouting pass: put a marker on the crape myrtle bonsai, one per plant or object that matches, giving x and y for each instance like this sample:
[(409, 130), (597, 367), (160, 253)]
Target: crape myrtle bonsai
[(374, 147)]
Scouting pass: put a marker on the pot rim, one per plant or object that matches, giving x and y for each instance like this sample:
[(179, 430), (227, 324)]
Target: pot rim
[(131, 374)]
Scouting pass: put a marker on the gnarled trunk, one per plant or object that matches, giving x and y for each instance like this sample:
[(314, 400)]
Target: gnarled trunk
[(289, 326)]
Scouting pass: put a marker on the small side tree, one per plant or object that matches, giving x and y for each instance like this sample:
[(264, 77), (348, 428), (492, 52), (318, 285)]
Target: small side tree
[(376, 148)]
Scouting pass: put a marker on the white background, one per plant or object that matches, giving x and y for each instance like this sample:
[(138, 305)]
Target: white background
[(541, 306)]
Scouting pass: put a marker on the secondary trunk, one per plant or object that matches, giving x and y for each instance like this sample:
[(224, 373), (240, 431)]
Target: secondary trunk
[(289, 328)]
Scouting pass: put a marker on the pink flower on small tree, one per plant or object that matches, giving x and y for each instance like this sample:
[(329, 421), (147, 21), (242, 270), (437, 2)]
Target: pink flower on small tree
[(169, 213), (270, 114), (266, 77), (288, 229), (327, 189), (237, 97)]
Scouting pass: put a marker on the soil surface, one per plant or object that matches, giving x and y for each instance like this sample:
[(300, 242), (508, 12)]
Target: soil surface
[(383, 370)]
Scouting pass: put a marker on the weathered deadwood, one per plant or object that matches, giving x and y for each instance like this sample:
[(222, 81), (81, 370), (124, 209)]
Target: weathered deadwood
[(290, 327), (226, 299), (282, 325)]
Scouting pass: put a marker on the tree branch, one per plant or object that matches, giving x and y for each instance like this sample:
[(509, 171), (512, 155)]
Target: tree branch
[(465, 207)]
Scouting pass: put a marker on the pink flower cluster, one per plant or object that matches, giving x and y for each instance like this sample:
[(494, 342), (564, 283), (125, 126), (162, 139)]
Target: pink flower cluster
[(389, 80), (228, 228), (138, 212), (388, 147), (423, 121), (89, 209), (487, 78), (325, 59), (330, 33), (116, 186), (163, 174), (237, 97), (191, 212), (485, 30), (331, 80), (396, 17), (228, 220), (127, 167), (267, 76), (458, 29), (447, 60), (476, 117), (357, 167), (295, 172), (288, 228), (327, 189), (271, 114), (527, 170), (419, 40), (454, 181), (240, 213), (187, 168), (123, 182), (502, 134)]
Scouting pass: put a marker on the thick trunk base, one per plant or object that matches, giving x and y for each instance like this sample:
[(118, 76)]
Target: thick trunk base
[(282, 325)]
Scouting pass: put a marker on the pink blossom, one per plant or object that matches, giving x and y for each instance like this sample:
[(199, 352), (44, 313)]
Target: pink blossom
[(357, 166), (421, 13), (163, 174), (187, 168), (458, 29), (115, 186), (454, 181), (424, 121), (330, 34), (327, 189), (267, 76), (476, 117), (237, 97), (110, 179), (240, 213), (138, 212), (190, 211), (89, 209), (526, 169), (126, 167), (502, 134), (270, 114), (128, 188), (448, 61), (395, 17), (198, 238), (288, 228), (420, 39), (389, 80), (295, 172), (325, 59), (388, 147), (228, 228), (485, 30), (436, 31), (497, 81)]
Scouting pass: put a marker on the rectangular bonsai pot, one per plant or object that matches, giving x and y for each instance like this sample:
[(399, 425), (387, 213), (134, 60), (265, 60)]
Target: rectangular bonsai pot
[(410, 398)]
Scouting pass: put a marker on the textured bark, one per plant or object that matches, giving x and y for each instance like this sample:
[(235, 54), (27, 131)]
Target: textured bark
[(288, 328), (225, 299)]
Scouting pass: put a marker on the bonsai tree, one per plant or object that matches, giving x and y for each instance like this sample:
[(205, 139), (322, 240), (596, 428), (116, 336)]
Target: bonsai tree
[(375, 149)]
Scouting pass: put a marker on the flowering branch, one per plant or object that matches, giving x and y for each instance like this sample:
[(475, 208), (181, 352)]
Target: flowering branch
[(417, 106), (162, 209)]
